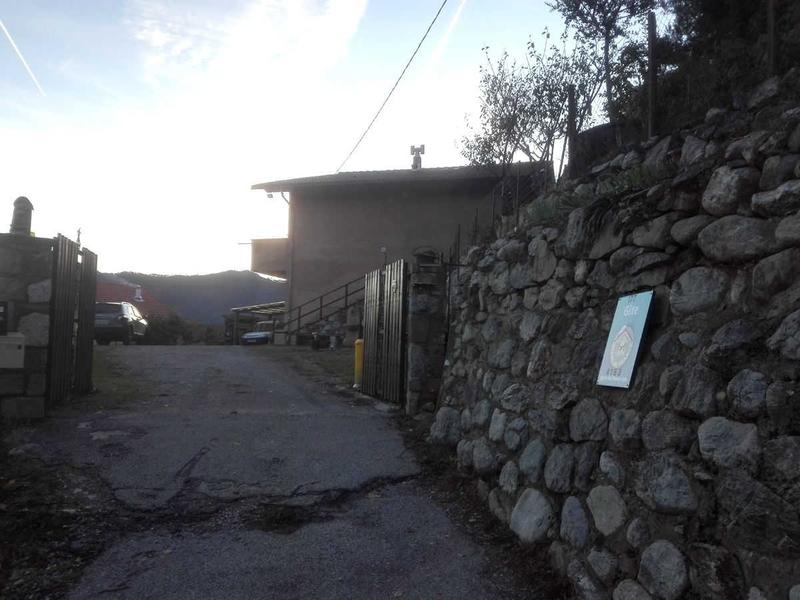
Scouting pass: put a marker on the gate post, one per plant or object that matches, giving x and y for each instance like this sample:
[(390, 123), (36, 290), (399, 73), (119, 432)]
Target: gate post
[(427, 331)]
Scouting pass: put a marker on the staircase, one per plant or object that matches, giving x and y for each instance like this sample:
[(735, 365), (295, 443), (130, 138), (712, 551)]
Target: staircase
[(307, 316)]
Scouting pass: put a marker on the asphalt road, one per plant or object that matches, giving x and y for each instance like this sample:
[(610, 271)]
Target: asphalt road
[(246, 480)]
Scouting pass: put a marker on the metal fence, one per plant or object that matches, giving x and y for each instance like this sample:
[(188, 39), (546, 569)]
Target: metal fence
[(62, 320), (385, 298), (70, 348)]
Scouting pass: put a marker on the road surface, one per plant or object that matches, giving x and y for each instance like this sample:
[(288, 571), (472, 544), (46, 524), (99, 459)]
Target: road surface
[(221, 472)]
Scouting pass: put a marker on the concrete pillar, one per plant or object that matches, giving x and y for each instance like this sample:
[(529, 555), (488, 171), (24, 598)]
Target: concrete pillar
[(21, 221)]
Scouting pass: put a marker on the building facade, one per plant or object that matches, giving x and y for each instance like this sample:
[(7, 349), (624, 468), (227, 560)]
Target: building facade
[(344, 225)]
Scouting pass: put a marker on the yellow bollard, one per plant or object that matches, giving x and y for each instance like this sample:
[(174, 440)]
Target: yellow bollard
[(358, 371)]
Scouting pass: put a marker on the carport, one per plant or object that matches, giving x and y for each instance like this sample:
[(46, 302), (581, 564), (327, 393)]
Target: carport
[(243, 319)]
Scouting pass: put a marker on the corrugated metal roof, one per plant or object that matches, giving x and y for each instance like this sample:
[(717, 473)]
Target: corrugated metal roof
[(426, 175)]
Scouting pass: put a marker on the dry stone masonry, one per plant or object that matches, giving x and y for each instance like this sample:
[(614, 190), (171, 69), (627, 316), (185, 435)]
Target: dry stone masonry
[(25, 287), (686, 485)]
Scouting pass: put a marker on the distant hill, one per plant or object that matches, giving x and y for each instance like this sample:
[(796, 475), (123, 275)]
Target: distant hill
[(205, 298)]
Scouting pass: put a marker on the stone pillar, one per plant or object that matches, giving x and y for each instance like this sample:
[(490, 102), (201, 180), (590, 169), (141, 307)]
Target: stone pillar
[(427, 330), (26, 289)]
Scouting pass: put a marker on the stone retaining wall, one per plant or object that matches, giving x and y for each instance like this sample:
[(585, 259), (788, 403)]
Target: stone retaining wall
[(687, 485), (25, 284)]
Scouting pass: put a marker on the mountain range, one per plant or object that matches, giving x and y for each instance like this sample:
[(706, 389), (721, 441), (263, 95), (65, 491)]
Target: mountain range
[(206, 298)]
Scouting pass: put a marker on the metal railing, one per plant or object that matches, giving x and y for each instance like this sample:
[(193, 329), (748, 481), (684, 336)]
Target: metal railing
[(324, 305)]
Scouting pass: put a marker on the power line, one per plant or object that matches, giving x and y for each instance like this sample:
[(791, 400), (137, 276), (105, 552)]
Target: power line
[(389, 95)]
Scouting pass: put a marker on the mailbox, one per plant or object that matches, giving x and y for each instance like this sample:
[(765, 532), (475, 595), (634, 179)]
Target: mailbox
[(12, 351)]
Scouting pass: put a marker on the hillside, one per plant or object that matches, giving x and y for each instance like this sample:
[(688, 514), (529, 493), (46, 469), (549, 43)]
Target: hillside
[(205, 298)]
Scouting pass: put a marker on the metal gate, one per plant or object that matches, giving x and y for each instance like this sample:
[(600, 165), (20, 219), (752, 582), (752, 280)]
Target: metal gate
[(84, 344), (62, 320), (385, 293)]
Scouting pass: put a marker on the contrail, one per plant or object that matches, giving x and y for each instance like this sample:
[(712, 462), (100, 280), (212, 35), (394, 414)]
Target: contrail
[(445, 40), (22, 58)]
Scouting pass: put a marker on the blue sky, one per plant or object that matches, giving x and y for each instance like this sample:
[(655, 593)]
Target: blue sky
[(158, 115)]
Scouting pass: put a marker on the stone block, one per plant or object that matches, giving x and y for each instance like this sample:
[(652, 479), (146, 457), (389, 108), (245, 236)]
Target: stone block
[(558, 469), (22, 407), (664, 487), (12, 383), (574, 523), (532, 516), (729, 444), (775, 273), (532, 460), (39, 292), (588, 421), (35, 358), (628, 589), (735, 238), (446, 428), (608, 509), (697, 290), (509, 477), (13, 289), (729, 188), (36, 327), (655, 234), (10, 261), (747, 393), (786, 338), (781, 201), (685, 231), (662, 570), (484, 458), (498, 425)]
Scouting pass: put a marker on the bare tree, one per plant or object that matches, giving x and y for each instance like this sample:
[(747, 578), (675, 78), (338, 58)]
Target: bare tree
[(603, 20)]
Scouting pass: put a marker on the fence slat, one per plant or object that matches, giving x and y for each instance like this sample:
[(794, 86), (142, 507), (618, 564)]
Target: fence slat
[(84, 345), (60, 354)]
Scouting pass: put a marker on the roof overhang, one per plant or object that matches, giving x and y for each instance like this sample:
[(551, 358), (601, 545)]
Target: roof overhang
[(434, 176), (269, 308)]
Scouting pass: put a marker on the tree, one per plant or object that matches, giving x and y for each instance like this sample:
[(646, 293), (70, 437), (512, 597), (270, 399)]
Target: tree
[(504, 121), (603, 20), (523, 108)]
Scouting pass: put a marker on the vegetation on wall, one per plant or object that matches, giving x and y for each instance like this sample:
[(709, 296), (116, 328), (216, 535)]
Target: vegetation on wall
[(523, 108), (709, 52)]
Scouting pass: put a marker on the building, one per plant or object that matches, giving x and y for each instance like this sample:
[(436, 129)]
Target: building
[(344, 225)]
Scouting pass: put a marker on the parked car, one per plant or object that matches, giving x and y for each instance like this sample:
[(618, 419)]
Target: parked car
[(118, 321), (262, 334)]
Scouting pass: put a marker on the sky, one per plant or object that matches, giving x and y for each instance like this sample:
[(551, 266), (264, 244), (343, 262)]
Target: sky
[(152, 118)]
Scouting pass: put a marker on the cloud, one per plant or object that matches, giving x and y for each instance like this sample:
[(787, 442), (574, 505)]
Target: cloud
[(161, 182)]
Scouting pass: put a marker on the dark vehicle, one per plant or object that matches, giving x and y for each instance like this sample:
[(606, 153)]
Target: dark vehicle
[(118, 321)]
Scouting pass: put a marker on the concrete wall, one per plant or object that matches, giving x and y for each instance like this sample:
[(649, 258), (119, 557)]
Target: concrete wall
[(270, 256), (686, 485), (337, 233), (25, 283)]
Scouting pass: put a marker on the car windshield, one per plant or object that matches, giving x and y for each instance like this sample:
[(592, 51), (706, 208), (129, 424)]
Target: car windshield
[(108, 309)]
